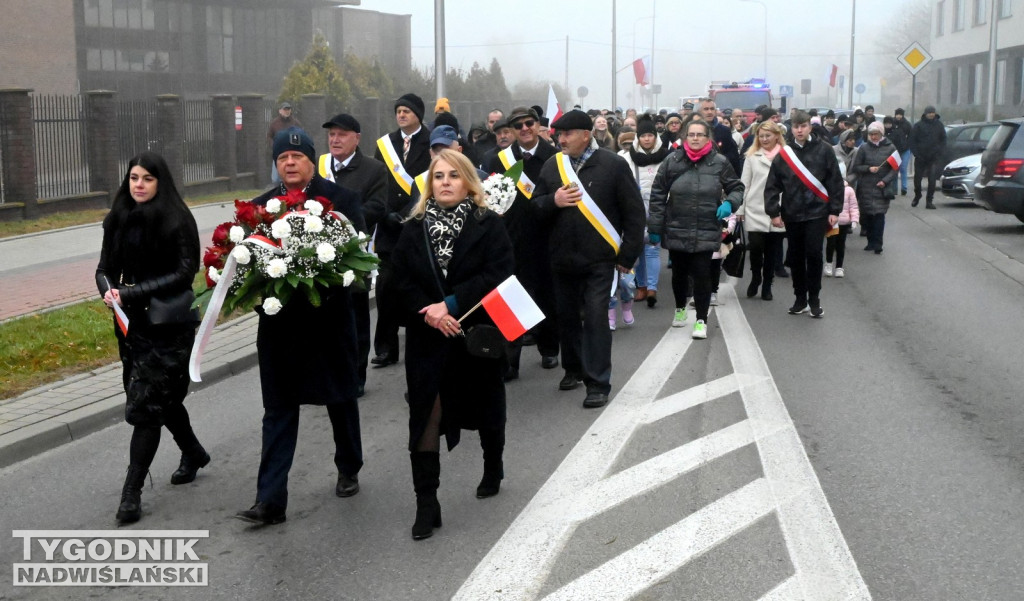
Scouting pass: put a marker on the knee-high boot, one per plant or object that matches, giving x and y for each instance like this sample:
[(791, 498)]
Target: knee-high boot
[(130, 509), (193, 455), (492, 441), (426, 477)]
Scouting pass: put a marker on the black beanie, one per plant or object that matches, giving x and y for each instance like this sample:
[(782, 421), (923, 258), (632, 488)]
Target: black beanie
[(446, 118), (413, 103), (645, 125), (294, 138)]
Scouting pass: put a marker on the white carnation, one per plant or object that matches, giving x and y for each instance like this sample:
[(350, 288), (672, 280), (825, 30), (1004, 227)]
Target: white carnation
[(271, 306), (325, 252), (313, 224), (241, 254), (280, 229), (213, 274), (277, 268), (348, 277), (273, 205), (313, 207), (236, 234)]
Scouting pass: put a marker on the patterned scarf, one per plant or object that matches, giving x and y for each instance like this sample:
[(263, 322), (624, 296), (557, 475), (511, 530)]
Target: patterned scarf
[(443, 227)]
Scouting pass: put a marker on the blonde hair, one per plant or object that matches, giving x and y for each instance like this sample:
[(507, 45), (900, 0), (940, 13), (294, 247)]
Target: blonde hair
[(467, 173), (769, 126)]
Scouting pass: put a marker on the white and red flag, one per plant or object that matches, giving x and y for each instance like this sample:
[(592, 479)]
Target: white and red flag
[(642, 70), (832, 76), (512, 308), (554, 110), (894, 160)]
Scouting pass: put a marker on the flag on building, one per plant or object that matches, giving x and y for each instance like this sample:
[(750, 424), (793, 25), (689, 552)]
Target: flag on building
[(512, 308), (832, 76), (642, 70), (554, 110)]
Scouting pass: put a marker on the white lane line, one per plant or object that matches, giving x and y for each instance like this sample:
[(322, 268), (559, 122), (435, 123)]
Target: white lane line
[(789, 590), (697, 395), (635, 570), (824, 567)]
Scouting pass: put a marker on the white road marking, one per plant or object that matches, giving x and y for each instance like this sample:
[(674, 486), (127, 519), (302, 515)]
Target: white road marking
[(581, 488)]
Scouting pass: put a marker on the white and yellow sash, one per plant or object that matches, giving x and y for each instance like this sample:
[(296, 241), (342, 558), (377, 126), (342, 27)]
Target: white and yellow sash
[(421, 183), (525, 184), (326, 167), (387, 150), (587, 206)]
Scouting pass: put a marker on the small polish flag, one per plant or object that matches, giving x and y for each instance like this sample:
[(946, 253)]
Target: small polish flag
[(122, 319), (554, 110), (512, 309), (894, 160)]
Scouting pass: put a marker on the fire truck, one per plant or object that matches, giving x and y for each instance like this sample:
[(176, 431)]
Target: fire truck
[(742, 95)]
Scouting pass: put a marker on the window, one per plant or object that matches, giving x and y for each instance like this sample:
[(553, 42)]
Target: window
[(959, 12), (106, 13), (957, 84), (977, 81), (92, 13), (92, 59), (148, 15), (1001, 82), (940, 11), (938, 83), (219, 40), (1005, 9), (980, 12)]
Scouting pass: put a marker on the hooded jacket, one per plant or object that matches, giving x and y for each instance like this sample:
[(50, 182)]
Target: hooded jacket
[(928, 138)]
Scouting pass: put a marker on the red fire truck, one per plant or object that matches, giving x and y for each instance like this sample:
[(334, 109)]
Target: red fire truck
[(742, 95)]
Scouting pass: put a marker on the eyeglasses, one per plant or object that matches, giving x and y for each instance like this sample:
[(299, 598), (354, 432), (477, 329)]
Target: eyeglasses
[(526, 123), (696, 136)]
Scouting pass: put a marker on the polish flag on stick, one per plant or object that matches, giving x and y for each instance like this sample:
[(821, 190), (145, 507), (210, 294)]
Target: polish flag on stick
[(511, 308), (894, 160), (554, 110), (642, 70)]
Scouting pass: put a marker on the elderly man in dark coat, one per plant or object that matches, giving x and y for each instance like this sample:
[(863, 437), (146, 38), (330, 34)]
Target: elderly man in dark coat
[(319, 371), (928, 143)]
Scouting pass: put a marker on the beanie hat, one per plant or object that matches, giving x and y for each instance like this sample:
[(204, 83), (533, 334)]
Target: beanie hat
[(929, 109), (876, 126), (645, 125), (537, 109), (294, 138), (446, 119), (900, 112), (442, 105), (413, 102)]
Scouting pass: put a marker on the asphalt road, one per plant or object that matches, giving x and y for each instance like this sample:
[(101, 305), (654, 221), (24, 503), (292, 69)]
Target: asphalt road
[(904, 398)]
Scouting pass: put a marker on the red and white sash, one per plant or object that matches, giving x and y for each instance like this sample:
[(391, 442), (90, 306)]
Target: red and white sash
[(804, 174), (894, 160)]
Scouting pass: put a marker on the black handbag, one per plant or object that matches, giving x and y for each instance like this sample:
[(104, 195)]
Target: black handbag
[(735, 261), (172, 308)]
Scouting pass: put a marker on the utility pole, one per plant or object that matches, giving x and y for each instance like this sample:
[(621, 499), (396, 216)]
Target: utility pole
[(993, 34), (440, 69), (614, 70), (566, 82), (853, 39)]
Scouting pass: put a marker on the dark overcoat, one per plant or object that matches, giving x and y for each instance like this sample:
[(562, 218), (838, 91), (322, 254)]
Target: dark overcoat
[(307, 354), (471, 388)]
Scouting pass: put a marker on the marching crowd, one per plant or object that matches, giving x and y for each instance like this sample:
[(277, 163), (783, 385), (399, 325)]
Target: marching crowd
[(598, 196)]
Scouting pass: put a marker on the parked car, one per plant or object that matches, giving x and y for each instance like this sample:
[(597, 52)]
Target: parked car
[(1000, 185), (959, 176), (968, 138)]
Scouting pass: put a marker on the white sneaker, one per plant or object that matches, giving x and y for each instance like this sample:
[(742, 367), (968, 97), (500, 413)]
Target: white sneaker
[(840, 273), (828, 270), (700, 330), (714, 299), (679, 319)]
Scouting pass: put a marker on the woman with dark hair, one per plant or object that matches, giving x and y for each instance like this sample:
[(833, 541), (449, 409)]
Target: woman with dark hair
[(694, 190), (451, 253), (149, 257)]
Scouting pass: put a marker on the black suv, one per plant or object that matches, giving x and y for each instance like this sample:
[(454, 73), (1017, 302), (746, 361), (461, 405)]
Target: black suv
[(968, 138), (1000, 185)]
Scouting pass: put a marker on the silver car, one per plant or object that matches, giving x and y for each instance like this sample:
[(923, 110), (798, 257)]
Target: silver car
[(958, 177)]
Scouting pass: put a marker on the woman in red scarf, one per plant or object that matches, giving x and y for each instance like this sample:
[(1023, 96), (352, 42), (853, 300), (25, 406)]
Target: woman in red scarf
[(694, 190)]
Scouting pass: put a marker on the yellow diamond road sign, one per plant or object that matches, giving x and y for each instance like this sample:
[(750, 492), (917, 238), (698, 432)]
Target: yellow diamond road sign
[(914, 58)]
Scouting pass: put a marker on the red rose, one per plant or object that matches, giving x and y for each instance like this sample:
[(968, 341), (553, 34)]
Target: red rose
[(245, 212), (295, 198), (214, 257), (209, 283), (326, 204), (220, 233), (265, 216)]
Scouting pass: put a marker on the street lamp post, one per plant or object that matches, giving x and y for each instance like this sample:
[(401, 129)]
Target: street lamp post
[(764, 7), (440, 69)]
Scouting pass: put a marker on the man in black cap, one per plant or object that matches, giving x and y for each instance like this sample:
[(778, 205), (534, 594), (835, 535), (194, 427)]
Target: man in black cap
[(596, 216), (900, 138), (347, 166), (687, 110), (928, 143), (283, 121), (328, 357), (504, 137), (528, 232), (406, 153)]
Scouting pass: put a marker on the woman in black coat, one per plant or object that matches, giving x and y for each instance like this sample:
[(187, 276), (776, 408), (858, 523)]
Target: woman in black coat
[(874, 181), (451, 253), (149, 257)]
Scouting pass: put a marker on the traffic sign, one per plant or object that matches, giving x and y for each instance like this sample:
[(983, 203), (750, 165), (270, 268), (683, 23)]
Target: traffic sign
[(914, 58), (582, 91), (860, 88), (786, 91)]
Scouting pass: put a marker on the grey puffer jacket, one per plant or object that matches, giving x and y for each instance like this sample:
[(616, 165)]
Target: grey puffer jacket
[(685, 197), (870, 197)]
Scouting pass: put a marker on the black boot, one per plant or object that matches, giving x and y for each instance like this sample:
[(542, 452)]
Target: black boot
[(190, 464), (426, 477), (766, 290), (131, 495), (755, 282), (493, 444)]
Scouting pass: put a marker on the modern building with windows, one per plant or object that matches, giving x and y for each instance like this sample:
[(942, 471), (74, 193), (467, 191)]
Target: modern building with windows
[(960, 41), (140, 48)]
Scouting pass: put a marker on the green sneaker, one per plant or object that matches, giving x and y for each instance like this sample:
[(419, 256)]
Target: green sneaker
[(700, 330), (679, 319)]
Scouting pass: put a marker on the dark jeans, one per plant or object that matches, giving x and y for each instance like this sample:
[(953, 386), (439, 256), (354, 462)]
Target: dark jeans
[(805, 255), (764, 250), (932, 169), (385, 338), (581, 299), (715, 276), (874, 225), (280, 434), (836, 245), (692, 265)]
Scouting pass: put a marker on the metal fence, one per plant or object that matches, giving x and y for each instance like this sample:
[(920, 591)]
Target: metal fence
[(136, 121), (198, 143), (61, 149)]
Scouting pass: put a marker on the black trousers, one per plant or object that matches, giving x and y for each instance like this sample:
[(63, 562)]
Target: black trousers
[(280, 434), (692, 265), (806, 239), (932, 169), (361, 308), (581, 300), (874, 225), (764, 250), (385, 338), (835, 246)]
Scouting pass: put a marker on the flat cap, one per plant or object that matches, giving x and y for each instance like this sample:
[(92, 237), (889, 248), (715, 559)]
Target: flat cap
[(574, 119), (344, 121)]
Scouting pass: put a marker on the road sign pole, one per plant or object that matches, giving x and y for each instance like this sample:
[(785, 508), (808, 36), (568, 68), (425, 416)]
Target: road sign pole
[(913, 97)]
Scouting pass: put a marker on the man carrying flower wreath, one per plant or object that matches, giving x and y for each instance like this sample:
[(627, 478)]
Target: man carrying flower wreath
[(307, 353)]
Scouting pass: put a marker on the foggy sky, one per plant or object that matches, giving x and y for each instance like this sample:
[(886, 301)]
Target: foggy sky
[(695, 42)]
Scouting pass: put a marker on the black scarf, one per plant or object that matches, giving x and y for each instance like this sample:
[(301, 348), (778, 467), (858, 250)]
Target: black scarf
[(642, 159), (443, 227)]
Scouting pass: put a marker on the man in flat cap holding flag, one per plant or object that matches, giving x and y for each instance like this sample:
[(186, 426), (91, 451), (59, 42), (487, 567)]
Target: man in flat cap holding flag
[(596, 215)]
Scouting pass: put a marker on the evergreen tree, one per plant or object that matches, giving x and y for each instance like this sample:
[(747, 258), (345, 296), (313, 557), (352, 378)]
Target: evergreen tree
[(318, 73)]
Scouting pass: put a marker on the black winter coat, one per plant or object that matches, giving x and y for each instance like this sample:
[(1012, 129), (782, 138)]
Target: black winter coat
[(726, 145), (900, 135), (389, 226), (574, 243), (928, 139), (870, 198), (307, 354), (685, 198), (369, 177), (786, 195), (471, 388)]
